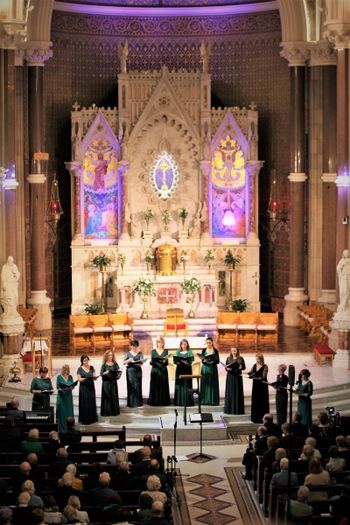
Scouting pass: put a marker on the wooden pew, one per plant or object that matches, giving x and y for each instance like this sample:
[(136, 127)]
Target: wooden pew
[(80, 329)]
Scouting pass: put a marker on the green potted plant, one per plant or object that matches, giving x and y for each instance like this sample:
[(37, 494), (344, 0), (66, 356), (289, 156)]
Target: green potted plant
[(166, 219), (183, 214), (231, 260), (238, 305), (191, 287), (148, 214), (93, 309), (209, 257), (144, 288), (121, 260), (101, 261)]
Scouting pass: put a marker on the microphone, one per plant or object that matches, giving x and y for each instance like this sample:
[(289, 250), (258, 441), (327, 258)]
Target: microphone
[(176, 414)]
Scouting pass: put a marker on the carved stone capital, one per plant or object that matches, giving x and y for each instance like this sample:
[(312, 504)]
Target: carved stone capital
[(342, 181), (297, 177), (322, 54), (328, 177), (37, 53), (296, 53), (74, 168), (253, 167), (36, 178), (338, 33), (205, 167)]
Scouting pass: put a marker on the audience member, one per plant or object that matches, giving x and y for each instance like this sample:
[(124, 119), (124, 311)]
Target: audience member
[(72, 436), (70, 513), (58, 467), (77, 483), (280, 479), (298, 510), (119, 446), (341, 506), (260, 445), (38, 517), (23, 512), (5, 516), (103, 494), (157, 517), (52, 513), (64, 490), (279, 454), (122, 478), (54, 443), (335, 463), (153, 489), (140, 468), (35, 500), (24, 474), (114, 512), (298, 429), (32, 443), (317, 478), (82, 515), (145, 503), (271, 427)]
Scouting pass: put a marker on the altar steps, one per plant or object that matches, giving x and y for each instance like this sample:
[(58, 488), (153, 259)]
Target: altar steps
[(198, 326)]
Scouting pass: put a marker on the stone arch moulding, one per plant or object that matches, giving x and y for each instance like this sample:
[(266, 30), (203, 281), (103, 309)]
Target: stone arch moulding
[(293, 20), (101, 187)]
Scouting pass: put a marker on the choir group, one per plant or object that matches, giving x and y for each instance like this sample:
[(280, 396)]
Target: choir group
[(159, 395)]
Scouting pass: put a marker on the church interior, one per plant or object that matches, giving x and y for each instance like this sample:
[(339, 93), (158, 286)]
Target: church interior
[(177, 169)]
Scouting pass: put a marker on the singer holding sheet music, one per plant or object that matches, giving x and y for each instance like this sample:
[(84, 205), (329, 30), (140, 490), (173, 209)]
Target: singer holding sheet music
[(134, 361), (87, 396), (183, 360), (110, 373), (234, 398), (159, 383), (209, 374), (64, 403), (281, 386), (41, 388), (304, 389), (260, 389)]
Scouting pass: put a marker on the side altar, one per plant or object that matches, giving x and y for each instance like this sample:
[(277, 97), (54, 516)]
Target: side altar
[(164, 168)]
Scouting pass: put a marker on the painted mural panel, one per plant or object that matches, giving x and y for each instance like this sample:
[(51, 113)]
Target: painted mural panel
[(100, 191), (228, 190)]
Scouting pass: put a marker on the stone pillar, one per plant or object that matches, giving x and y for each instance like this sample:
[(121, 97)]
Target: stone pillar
[(296, 55), (122, 172), (204, 218), (36, 56), (75, 199)]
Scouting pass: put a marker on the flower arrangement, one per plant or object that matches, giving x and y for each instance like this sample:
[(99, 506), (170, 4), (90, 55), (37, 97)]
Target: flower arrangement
[(121, 260), (101, 260), (149, 256), (148, 214), (144, 287), (231, 260), (184, 257), (166, 216), (209, 256), (191, 285), (93, 309)]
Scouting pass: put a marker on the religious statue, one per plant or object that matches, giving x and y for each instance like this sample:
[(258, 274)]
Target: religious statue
[(100, 172), (123, 56), (343, 272), (9, 287)]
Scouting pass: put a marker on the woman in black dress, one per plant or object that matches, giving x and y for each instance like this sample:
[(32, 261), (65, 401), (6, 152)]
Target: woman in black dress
[(260, 390), (134, 361), (183, 359), (159, 383), (234, 398), (41, 388), (281, 385), (109, 373), (87, 396)]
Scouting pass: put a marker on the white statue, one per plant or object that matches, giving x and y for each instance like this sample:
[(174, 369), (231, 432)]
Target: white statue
[(123, 56), (9, 287), (343, 271)]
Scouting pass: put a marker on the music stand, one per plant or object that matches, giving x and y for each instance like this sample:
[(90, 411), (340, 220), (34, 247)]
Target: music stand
[(186, 378), (201, 418)]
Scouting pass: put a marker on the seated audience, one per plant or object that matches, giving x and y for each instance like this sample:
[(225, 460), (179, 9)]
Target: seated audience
[(298, 429), (119, 447), (35, 500), (23, 511), (298, 510), (70, 514), (157, 517), (312, 441), (140, 468), (343, 444), (260, 445), (82, 515), (5, 516), (308, 453), (54, 443), (102, 494), (122, 478), (64, 490), (317, 478), (280, 479), (279, 454), (153, 489), (335, 463), (52, 513), (59, 465), (272, 428), (32, 443), (145, 504), (72, 436), (114, 512), (77, 483), (37, 517)]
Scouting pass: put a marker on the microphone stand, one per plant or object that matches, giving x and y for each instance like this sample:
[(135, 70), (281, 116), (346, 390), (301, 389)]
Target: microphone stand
[(175, 430)]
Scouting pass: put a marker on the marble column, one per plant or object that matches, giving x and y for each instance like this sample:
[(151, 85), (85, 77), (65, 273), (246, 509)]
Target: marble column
[(296, 56), (36, 56), (123, 166), (204, 218)]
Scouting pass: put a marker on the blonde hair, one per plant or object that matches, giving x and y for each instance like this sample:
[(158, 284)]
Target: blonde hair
[(74, 502), (33, 433), (105, 356), (153, 483), (65, 369), (260, 357), (160, 339)]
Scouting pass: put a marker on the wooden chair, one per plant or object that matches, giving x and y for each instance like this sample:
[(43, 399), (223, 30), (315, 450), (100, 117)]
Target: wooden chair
[(121, 325), (246, 327), (81, 331), (267, 327), (41, 354), (101, 331), (227, 323), (175, 322)]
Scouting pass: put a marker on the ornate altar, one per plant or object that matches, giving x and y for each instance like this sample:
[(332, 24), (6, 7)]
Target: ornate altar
[(166, 259), (167, 173)]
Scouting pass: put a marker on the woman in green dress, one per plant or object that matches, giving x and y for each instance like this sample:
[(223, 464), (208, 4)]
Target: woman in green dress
[(209, 374), (159, 383), (134, 361), (64, 402), (41, 388), (109, 372), (183, 359), (234, 398), (305, 390)]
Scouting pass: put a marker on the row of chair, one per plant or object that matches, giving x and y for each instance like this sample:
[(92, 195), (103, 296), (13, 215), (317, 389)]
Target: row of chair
[(314, 320), (258, 327), (93, 331)]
